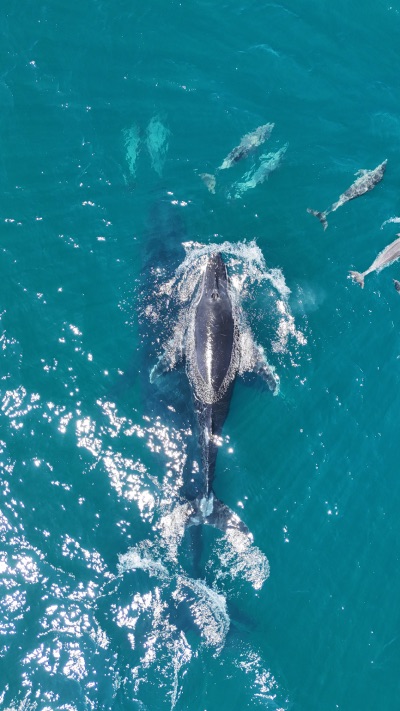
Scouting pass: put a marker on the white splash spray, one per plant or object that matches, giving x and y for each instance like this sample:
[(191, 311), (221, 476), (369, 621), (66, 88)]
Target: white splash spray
[(391, 219)]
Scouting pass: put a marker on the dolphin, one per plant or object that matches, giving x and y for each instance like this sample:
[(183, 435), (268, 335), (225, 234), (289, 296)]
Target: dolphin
[(217, 345), (390, 254), (268, 163), (365, 182), (248, 143)]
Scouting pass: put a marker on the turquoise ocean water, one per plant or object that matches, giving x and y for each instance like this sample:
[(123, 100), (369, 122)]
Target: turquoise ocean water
[(110, 113)]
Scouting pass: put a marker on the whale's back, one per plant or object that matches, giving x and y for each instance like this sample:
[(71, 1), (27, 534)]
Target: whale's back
[(214, 338)]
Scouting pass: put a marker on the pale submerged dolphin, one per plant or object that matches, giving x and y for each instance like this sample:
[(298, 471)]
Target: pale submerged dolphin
[(217, 345), (248, 143)]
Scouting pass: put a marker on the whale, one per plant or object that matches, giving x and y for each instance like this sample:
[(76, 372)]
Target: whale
[(215, 342)]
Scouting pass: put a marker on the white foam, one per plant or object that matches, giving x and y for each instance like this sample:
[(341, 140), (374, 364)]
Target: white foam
[(245, 263), (162, 641), (391, 219), (263, 681), (275, 276), (208, 609), (172, 528), (286, 328), (240, 558), (140, 558)]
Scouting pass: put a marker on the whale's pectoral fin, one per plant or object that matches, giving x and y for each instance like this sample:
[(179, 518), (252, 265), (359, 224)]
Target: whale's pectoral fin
[(173, 353), (266, 372), (163, 364)]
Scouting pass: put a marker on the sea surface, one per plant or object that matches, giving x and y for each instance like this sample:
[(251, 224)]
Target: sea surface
[(114, 120)]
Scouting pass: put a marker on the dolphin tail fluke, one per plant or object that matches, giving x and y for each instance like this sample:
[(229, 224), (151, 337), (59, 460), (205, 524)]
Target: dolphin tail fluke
[(359, 278), (321, 216), (213, 512)]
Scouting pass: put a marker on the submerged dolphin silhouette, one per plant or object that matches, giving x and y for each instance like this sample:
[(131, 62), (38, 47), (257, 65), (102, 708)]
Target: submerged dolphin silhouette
[(217, 345)]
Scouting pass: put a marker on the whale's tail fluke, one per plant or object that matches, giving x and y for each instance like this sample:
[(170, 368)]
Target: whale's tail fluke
[(321, 216), (213, 512), (359, 278)]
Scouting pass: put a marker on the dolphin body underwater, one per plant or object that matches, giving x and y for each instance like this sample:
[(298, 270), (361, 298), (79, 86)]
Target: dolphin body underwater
[(216, 343)]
